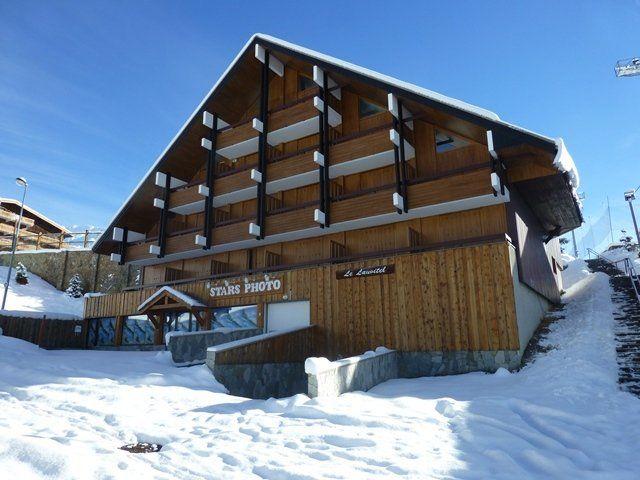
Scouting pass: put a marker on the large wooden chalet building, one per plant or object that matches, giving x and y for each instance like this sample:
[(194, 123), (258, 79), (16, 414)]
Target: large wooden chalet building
[(353, 210)]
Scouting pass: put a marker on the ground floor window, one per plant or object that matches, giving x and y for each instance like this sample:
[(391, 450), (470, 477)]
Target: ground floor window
[(102, 332), (236, 317), (137, 330)]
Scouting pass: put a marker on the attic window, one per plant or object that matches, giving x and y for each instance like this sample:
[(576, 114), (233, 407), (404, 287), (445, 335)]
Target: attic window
[(446, 142), (304, 83), (367, 108)]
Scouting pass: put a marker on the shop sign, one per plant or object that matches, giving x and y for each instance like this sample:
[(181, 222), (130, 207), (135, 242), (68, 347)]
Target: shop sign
[(365, 271), (230, 288)]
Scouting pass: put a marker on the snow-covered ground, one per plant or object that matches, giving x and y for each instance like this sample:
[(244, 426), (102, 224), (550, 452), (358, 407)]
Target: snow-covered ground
[(63, 414), (38, 296)]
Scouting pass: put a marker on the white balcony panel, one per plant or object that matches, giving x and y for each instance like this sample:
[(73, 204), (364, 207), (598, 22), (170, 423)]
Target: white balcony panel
[(293, 132), (246, 147), (189, 208)]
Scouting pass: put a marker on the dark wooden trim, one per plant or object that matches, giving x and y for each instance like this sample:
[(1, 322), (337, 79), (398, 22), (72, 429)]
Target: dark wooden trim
[(354, 258), (263, 147), (123, 245), (164, 215), (403, 159), (208, 201)]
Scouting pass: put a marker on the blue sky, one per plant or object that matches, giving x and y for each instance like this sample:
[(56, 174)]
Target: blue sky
[(91, 92)]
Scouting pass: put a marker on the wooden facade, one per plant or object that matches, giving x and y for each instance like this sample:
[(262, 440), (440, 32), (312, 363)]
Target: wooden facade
[(316, 170)]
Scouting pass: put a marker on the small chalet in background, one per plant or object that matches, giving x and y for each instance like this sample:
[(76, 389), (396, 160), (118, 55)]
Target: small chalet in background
[(350, 210), (36, 230)]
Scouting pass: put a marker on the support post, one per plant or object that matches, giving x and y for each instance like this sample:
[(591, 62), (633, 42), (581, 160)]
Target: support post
[(123, 245), (325, 150), (164, 214), (262, 147), (403, 160), (119, 328), (396, 166), (498, 167), (208, 200)]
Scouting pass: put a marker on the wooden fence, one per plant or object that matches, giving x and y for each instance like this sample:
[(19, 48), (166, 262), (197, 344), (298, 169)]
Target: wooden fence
[(56, 241), (49, 333)]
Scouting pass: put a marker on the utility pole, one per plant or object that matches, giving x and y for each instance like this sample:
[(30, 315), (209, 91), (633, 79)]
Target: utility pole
[(630, 196)]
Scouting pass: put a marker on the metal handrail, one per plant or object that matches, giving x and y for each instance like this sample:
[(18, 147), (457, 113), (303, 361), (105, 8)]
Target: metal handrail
[(613, 263), (630, 270)]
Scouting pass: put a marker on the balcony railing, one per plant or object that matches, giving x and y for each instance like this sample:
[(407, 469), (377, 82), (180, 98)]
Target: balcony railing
[(354, 154), (349, 211)]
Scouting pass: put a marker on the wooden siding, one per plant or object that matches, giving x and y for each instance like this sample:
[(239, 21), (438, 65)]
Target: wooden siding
[(453, 299), (294, 346), (45, 332)]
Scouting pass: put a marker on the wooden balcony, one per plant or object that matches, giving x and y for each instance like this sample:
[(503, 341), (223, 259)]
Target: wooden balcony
[(288, 123), (367, 151), (8, 217), (470, 188)]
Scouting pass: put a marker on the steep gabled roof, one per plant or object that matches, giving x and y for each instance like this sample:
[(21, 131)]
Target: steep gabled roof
[(33, 213), (486, 119)]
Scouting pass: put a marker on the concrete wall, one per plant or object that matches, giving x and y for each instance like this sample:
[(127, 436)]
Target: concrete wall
[(427, 364), (350, 374), (191, 348), (260, 380), (98, 273), (530, 305)]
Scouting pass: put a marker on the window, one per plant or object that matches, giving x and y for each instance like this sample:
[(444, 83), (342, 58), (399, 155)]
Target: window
[(304, 83), (366, 108), (446, 142)]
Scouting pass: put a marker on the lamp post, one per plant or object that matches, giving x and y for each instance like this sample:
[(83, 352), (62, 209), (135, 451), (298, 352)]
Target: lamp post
[(630, 196), (21, 182)]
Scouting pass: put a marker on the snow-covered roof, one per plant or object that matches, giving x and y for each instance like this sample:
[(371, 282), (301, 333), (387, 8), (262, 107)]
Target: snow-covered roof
[(365, 72), (33, 211), (183, 297)]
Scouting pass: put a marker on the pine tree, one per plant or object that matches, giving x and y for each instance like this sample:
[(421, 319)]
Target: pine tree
[(74, 289), (22, 275)]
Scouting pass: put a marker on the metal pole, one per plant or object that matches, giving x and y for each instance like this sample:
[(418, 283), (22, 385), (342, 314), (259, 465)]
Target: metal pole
[(575, 245), (635, 224), (610, 224), (13, 249)]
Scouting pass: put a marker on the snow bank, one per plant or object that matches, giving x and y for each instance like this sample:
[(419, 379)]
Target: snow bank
[(575, 269), (63, 414), (40, 314), (317, 365), (39, 296)]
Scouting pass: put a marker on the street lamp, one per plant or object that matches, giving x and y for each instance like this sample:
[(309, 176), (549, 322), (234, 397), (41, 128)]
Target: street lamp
[(630, 196), (21, 182)]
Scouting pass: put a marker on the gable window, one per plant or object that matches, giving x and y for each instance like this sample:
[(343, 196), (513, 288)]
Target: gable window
[(446, 142), (367, 108), (304, 83)]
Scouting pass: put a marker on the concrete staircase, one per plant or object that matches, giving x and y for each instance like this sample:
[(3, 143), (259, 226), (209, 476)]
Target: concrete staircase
[(627, 328)]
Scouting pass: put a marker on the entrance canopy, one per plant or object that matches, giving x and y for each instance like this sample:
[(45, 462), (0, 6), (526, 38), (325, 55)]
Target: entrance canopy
[(169, 299)]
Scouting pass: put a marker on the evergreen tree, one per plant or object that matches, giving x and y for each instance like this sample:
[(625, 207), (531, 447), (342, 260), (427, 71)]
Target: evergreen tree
[(22, 275), (74, 289)]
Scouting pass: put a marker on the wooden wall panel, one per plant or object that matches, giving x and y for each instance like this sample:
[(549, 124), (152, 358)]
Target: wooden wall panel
[(452, 299)]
